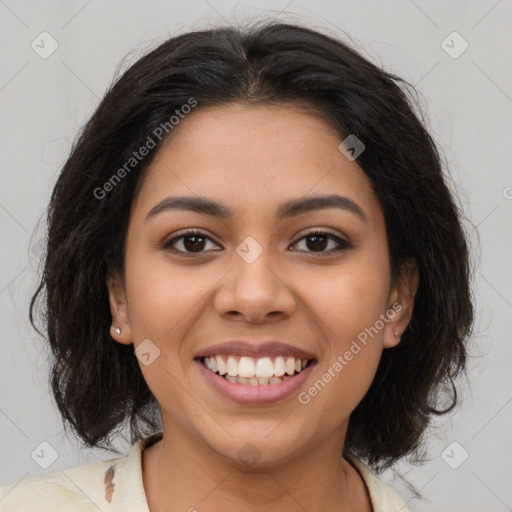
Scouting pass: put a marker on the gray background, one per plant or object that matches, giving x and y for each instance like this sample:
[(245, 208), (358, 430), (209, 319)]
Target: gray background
[(468, 99)]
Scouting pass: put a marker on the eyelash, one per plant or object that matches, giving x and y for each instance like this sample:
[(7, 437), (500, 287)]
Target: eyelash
[(344, 244)]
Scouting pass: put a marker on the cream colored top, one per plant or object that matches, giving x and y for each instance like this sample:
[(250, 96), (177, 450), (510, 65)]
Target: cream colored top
[(116, 485)]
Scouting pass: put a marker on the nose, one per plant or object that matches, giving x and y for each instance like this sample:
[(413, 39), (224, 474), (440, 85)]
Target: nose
[(254, 291)]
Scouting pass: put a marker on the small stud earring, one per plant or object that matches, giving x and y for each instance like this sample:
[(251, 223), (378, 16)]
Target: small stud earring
[(397, 335), (117, 330)]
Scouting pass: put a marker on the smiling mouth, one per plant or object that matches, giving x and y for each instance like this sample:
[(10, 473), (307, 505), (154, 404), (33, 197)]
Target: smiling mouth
[(252, 371)]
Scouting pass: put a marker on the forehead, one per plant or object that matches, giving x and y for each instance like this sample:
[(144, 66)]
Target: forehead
[(252, 158)]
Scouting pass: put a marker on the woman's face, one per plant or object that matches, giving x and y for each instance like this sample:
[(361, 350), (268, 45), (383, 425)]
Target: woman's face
[(256, 276)]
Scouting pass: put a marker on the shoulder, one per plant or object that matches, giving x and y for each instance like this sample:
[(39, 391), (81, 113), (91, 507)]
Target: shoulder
[(79, 489), (383, 497)]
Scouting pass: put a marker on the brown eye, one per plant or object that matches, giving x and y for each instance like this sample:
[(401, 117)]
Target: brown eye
[(194, 242), (190, 242), (318, 241)]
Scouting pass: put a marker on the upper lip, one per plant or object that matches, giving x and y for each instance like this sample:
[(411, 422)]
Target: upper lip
[(255, 349)]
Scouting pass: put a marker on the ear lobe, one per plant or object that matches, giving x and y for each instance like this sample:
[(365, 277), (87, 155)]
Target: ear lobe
[(120, 329), (404, 293)]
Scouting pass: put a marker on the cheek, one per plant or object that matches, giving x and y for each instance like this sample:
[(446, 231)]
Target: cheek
[(161, 296), (349, 307), (351, 299), (162, 302), (352, 352)]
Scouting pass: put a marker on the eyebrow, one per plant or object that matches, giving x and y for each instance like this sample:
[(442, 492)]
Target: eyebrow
[(290, 208)]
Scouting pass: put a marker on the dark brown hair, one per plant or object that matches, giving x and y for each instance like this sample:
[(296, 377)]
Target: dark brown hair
[(97, 383)]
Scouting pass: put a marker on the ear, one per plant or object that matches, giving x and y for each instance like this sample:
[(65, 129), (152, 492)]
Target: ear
[(401, 304), (118, 310)]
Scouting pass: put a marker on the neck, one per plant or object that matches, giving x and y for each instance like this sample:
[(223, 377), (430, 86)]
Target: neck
[(181, 475)]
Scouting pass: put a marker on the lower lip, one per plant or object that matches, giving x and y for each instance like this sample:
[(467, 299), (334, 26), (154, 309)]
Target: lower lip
[(260, 394)]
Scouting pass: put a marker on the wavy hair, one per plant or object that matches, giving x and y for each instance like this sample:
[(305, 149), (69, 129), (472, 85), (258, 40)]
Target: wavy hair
[(97, 383)]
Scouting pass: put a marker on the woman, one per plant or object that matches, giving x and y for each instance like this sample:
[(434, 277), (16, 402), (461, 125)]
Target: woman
[(254, 259)]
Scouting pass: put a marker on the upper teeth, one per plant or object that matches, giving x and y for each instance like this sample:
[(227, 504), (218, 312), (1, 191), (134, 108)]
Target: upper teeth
[(250, 367)]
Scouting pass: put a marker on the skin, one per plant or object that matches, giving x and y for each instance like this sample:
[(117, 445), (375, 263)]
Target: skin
[(252, 159)]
